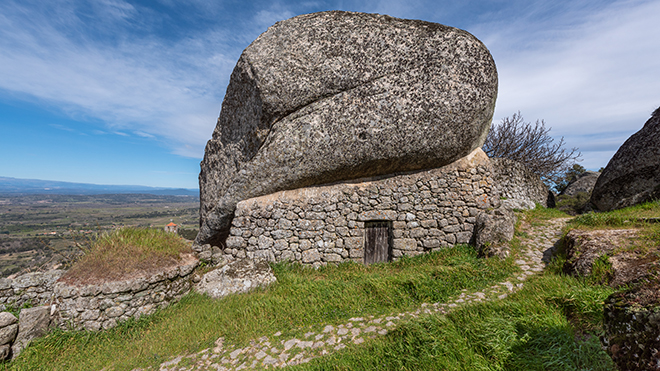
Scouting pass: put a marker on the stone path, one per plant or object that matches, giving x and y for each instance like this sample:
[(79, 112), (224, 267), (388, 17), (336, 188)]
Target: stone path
[(277, 351)]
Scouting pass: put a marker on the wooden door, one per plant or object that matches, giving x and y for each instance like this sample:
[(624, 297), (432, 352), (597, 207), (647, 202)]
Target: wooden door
[(377, 242)]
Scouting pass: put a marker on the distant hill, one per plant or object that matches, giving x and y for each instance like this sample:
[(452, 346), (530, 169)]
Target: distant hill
[(36, 186)]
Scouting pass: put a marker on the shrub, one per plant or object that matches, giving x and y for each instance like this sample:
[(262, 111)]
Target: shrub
[(531, 145), (573, 205)]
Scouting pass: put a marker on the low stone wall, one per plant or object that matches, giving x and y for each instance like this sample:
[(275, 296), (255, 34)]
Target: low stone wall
[(516, 182), (426, 210), (32, 288), (102, 306)]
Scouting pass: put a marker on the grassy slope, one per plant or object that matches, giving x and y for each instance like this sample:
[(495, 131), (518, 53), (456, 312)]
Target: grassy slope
[(301, 297), (551, 324)]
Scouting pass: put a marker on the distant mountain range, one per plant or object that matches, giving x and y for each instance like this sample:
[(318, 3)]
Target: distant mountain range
[(36, 186)]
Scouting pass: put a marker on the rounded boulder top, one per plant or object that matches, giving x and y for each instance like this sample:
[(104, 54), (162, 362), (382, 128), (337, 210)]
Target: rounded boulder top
[(333, 96), (633, 174)]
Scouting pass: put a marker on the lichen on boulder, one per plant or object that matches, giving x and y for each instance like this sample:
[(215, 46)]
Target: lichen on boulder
[(335, 96), (633, 175), (632, 326)]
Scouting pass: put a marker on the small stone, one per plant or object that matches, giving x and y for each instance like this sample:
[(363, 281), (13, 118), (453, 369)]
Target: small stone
[(235, 353), (290, 343)]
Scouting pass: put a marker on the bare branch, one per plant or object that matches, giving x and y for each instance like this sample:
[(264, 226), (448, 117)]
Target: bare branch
[(531, 145)]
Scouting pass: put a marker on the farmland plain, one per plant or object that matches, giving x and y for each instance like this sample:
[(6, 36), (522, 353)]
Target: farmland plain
[(44, 231)]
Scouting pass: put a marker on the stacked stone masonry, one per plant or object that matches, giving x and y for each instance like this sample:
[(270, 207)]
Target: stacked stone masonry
[(103, 306), (515, 181), (98, 306), (428, 210), (31, 289)]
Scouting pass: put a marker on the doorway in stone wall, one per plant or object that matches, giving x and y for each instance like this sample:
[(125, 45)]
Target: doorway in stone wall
[(377, 241)]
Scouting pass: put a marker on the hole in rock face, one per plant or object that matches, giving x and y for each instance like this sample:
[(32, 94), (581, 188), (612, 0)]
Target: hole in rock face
[(362, 135)]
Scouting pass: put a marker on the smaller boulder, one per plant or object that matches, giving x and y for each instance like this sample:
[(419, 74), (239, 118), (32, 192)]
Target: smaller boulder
[(492, 231), (8, 334), (238, 276), (7, 319), (583, 183), (33, 323)]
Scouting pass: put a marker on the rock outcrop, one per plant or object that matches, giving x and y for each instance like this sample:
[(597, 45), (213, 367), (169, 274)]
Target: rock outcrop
[(631, 326), (633, 175), (584, 182), (625, 264), (492, 231), (334, 96), (238, 276)]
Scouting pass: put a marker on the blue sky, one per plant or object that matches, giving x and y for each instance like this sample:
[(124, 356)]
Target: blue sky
[(128, 92)]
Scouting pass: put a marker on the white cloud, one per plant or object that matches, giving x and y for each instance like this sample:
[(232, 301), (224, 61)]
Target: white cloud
[(594, 79), (167, 90), (588, 67)]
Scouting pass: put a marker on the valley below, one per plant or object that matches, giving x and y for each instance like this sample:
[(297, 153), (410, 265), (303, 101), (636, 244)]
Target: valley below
[(39, 232)]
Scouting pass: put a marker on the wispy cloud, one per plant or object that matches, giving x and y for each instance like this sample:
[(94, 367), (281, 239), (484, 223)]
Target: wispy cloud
[(152, 86), (587, 67), (592, 74)]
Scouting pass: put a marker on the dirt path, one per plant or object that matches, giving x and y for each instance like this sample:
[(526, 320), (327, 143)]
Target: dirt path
[(275, 351)]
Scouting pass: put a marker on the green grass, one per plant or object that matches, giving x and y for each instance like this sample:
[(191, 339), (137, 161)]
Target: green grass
[(629, 217), (126, 251), (540, 215), (549, 325), (301, 297), (634, 217)]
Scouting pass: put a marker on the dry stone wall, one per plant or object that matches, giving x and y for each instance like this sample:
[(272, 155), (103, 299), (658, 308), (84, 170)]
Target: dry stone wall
[(98, 306), (102, 306), (520, 185), (427, 210), (33, 289)]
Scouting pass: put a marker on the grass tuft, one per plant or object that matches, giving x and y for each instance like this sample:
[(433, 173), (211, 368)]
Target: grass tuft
[(126, 252)]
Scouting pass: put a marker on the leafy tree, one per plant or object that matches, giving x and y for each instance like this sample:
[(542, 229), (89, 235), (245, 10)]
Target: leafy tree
[(530, 144)]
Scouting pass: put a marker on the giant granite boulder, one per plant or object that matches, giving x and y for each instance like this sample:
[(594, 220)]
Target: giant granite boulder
[(633, 175), (335, 96)]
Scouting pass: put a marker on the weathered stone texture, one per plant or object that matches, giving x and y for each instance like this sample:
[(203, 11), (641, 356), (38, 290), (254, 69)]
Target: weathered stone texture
[(584, 182), (631, 327), (519, 185), (236, 277), (628, 265), (34, 288), (633, 175), (8, 331), (102, 306), (33, 323), (492, 231), (317, 225), (335, 96)]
